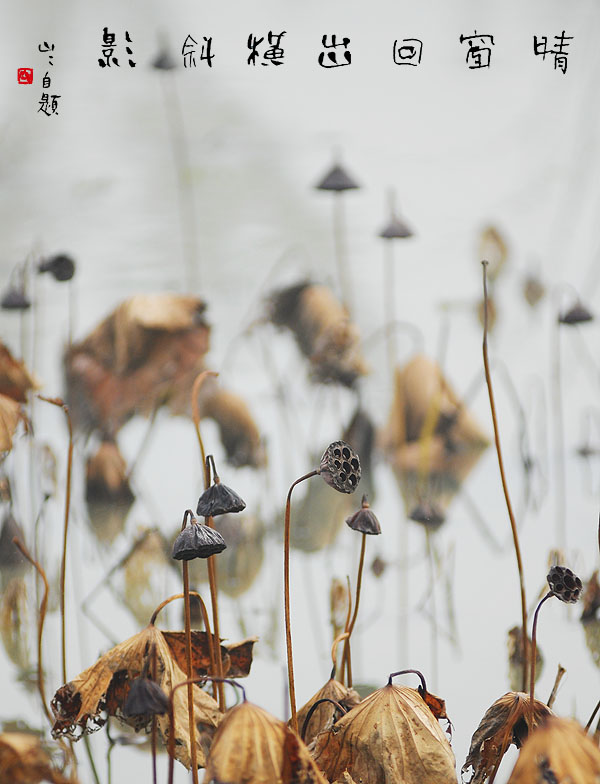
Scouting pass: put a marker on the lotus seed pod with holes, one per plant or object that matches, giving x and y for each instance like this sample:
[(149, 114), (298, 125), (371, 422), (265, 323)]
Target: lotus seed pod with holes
[(145, 698), (197, 541), (364, 520), (565, 585), (340, 467), (219, 499)]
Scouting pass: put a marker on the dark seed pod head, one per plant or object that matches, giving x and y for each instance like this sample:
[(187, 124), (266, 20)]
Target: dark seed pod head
[(15, 299), (340, 467), (428, 514), (219, 499), (61, 267), (364, 520), (337, 179), (145, 698), (565, 585), (395, 229), (197, 541), (164, 61), (578, 314)]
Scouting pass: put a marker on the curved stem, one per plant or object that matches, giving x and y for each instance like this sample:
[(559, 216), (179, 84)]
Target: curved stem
[(533, 652), (188, 682), (593, 716), (406, 672), (42, 615), (63, 567), (210, 561), (338, 639), (313, 708), (350, 627), (513, 525), (188, 659), (286, 599)]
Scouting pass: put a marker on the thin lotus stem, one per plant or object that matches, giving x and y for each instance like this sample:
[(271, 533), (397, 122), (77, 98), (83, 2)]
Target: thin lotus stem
[(286, 598), (154, 779), (337, 640), (348, 616), (210, 561), (559, 674), (63, 568), (593, 716), (406, 672), (313, 708), (340, 251), (533, 651), (88, 749), (188, 659), (190, 682), (350, 627), (42, 616), (513, 525)]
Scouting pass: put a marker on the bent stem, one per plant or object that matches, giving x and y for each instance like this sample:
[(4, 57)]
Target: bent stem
[(286, 598), (63, 567), (350, 627), (338, 639), (42, 616), (210, 561), (533, 651), (513, 525), (188, 659)]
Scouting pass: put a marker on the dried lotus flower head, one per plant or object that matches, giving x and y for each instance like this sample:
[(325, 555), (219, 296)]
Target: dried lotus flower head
[(218, 499), (197, 540), (565, 585), (364, 520), (253, 747), (337, 179), (60, 266), (504, 722), (145, 698), (391, 736), (558, 751), (340, 467)]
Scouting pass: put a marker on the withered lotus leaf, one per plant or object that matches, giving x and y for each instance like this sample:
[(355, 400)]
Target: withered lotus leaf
[(325, 714), (253, 747), (236, 657), (15, 379), (11, 414), (23, 760), (557, 751), (391, 736), (104, 687), (504, 722)]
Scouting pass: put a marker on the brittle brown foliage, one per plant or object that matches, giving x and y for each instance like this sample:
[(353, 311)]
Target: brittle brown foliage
[(23, 760)]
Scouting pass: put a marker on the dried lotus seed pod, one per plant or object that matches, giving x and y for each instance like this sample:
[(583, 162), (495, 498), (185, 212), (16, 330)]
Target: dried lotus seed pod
[(340, 467)]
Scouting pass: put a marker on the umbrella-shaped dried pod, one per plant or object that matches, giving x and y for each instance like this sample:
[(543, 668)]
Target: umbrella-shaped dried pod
[(79, 706), (15, 298), (324, 714), (322, 329), (218, 499), (337, 179), (340, 467), (504, 723), (253, 747), (60, 266), (395, 229), (428, 514), (197, 541), (576, 314), (392, 735), (23, 760), (364, 519), (145, 698), (558, 751), (15, 380)]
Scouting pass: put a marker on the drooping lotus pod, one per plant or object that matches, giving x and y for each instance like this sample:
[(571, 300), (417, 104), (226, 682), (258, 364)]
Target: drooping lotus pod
[(325, 713), (504, 722), (557, 751), (253, 747), (391, 736)]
